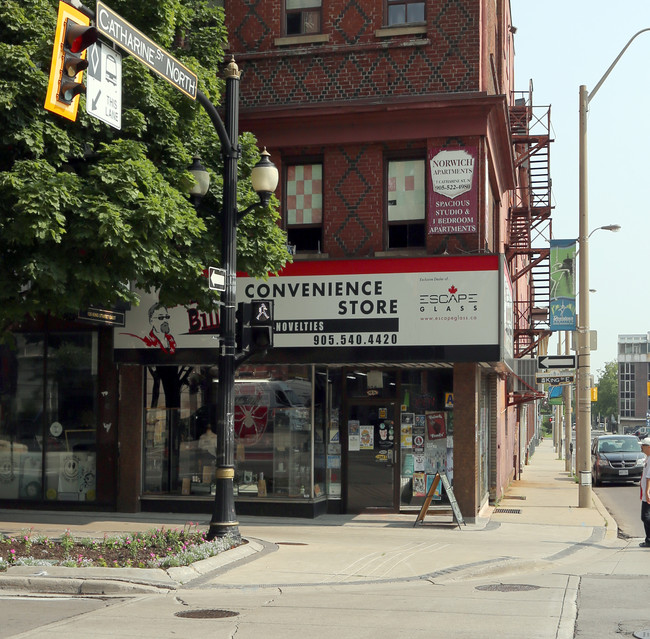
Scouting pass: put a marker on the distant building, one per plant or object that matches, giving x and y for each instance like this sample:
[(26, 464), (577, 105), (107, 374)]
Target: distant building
[(633, 378)]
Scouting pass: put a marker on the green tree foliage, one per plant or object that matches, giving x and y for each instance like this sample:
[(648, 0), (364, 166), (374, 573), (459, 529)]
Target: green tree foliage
[(86, 208), (607, 404)]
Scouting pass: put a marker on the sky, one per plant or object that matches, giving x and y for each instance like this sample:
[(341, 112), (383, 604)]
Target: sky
[(561, 45)]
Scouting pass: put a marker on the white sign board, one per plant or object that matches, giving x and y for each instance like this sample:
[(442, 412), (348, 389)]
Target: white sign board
[(401, 309), (412, 302), (104, 85), (125, 35), (216, 279)]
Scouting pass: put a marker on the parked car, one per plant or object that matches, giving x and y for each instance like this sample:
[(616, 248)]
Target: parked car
[(642, 432), (616, 458)]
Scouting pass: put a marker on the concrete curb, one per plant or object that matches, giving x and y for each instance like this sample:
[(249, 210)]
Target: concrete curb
[(611, 527), (186, 574)]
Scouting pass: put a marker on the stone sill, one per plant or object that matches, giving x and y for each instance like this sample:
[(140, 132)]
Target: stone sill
[(413, 29), (302, 39)]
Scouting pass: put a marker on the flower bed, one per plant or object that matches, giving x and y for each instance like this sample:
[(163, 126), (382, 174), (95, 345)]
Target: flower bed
[(159, 548)]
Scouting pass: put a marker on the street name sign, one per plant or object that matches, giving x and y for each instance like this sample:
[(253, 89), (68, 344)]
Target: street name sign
[(547, 362), (124, 34), (104, 84), (555, 380), (104, 316), (216, 279)]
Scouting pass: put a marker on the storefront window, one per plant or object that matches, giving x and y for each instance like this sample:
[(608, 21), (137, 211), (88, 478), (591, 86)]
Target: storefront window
[(180, 446), (273, 432), (48, 417), (426, 434), (279, 432)]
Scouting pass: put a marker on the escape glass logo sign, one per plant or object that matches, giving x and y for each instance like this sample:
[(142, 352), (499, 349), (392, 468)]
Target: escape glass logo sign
[(453, 192)]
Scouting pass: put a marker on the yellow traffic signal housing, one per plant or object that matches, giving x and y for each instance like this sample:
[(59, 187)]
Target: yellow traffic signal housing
[(73, 36)]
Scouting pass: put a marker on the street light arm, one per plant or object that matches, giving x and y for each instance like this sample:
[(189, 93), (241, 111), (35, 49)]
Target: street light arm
[(226, 144), (613, 64)]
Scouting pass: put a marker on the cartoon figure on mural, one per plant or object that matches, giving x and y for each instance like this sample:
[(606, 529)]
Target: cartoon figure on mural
[(160, 335)]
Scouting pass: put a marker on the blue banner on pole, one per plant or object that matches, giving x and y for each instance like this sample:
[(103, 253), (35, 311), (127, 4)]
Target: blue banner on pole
[(562, 311)]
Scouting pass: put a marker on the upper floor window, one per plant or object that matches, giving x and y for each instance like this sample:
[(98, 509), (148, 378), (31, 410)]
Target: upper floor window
[(406, 197), (304, 206), (404, 11), (302, 16)]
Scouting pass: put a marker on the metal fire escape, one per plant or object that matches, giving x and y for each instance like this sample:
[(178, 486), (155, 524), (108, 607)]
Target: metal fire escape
[(529, 223)]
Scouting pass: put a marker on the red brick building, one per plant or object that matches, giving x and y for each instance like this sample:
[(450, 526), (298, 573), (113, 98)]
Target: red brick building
[(375, 113), (414, 185)]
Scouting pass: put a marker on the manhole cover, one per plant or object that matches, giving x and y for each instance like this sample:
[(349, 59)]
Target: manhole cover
[(508, 587), (206, 614), (509, 511)]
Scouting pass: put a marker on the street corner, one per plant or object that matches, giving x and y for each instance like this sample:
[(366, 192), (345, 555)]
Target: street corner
[(186, 574)]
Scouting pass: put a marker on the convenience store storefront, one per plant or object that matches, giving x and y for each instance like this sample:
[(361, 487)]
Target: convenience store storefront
[(353, 408)]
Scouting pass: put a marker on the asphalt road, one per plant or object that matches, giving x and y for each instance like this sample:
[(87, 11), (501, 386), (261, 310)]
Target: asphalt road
[(623, 503), (21, 614)]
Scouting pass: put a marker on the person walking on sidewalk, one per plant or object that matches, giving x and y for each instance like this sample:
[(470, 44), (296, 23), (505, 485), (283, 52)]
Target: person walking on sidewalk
[(644, 484)]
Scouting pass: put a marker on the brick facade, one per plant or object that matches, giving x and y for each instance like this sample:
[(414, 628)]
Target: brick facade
[(357, 61), (358, 94)]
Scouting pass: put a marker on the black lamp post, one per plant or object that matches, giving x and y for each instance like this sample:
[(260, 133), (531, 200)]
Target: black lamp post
[(264, 178)]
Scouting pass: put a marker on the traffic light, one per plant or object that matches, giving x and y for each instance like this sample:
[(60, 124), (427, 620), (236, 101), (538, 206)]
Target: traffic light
[(254, 328), (73, 36)]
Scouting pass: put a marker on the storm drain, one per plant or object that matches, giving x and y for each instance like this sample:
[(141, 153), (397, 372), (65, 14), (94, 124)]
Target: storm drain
[(290, 543), (206, 614), (515, 497), (508, 587), (508, 511)]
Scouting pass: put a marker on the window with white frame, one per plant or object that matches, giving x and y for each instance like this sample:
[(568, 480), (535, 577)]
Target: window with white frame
[(404, 12), (302, 17), (303, 206), (406, 197)]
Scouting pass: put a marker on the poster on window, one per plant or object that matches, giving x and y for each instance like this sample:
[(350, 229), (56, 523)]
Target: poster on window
[(437, 493), (436, 428), (406, 430), (386, 435), (419, 484), (353, 435), (419, 429), (453, 190), (367, 437)]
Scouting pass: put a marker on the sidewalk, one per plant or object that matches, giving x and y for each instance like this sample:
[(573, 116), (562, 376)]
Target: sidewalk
[(535, 527)]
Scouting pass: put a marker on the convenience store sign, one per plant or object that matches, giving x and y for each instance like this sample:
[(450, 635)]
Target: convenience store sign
[(382, 302)]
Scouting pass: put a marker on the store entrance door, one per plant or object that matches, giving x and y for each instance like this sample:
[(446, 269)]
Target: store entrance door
[(373, 446)]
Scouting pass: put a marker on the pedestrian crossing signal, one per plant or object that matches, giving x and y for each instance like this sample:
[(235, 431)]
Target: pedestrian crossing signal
[(254, 327), (72, 37)]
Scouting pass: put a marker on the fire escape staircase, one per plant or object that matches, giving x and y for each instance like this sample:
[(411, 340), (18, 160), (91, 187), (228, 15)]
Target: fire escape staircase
[(529, 229)]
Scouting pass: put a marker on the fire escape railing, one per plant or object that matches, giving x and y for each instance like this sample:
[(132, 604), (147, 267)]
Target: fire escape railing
[(529, 222)]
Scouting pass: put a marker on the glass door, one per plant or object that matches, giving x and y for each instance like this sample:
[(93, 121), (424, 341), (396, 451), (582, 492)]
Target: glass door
[(372, 439)]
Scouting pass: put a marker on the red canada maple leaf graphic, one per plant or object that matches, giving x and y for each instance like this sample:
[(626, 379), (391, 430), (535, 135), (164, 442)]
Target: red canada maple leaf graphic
[(452, 289)]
